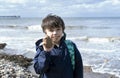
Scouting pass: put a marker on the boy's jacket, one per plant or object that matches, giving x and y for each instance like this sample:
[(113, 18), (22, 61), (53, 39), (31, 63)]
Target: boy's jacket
[(57, 62)]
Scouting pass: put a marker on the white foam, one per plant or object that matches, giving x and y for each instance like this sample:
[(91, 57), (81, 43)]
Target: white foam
[(82, 38), (115, 72), (103, 39), (34, 27), (4, 39), (98, 40), (96, 50), (95, 39)]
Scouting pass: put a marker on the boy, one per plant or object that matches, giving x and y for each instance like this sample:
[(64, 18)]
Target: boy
[(53, 59)]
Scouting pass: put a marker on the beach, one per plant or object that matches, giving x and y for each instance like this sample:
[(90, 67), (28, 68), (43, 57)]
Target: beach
[(18, 66)]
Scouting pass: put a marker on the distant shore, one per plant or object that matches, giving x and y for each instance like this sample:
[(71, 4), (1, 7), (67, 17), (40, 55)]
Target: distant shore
[(10, 17)]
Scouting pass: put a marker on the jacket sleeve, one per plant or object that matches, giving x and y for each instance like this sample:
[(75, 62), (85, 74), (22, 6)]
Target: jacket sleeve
[(41, 60), (78, 72)]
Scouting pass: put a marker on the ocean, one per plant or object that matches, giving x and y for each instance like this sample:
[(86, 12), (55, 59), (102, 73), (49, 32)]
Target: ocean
[(97, 38)]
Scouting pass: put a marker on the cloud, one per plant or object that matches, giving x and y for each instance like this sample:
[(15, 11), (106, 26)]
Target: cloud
[(104, 8), (40, 8)]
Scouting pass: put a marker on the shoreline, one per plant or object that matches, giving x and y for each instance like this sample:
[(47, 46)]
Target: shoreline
[(23, 67)]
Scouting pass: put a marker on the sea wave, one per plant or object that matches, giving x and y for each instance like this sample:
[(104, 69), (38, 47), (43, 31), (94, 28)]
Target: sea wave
[(37, 26), (97, 50), (29, 27), (96, 39), (34, 27), (90, 27), (13, 26)]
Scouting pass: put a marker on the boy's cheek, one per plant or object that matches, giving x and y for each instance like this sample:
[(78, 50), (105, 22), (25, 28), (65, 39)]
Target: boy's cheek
[(48, 34)]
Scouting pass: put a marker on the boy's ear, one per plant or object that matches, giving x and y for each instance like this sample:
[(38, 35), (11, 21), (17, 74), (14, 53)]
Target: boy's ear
[(44, 32)]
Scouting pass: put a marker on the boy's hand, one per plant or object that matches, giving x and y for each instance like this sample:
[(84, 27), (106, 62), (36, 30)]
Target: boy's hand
[(47, 43)]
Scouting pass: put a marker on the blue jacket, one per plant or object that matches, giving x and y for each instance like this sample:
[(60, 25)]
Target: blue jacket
[(57, 62)]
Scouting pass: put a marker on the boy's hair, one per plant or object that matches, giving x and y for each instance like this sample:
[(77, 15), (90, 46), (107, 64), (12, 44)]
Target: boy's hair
[(52, 21)]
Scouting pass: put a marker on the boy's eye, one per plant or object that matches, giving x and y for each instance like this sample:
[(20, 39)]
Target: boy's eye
[(51, 30), (58, 29)]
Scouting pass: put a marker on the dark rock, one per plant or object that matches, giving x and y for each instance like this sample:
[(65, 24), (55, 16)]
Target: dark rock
[(19, 59), (2, 45)]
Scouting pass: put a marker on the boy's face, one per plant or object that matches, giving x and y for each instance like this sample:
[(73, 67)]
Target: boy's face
[(55, 34)]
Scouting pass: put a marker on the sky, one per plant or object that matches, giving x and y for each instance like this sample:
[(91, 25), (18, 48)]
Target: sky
[(64, 8)]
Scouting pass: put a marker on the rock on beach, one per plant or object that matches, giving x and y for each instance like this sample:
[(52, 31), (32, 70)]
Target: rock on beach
[(15, 66), (2, 45)]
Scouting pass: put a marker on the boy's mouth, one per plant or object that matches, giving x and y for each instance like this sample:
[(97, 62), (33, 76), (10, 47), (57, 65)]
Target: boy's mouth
[(55, 38)]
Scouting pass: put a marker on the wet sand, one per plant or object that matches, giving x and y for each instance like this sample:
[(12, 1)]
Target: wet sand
[(88, 73)]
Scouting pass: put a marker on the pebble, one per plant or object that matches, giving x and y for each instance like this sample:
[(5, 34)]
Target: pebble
[(12, 70)]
